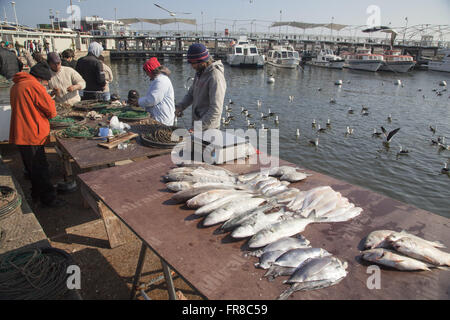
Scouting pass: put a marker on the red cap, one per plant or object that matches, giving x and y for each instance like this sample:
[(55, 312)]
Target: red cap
[(151, 64)]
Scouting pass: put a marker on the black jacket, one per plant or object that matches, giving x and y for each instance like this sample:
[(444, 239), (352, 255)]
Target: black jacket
[(9, 63), (72, 64), (91, 69)]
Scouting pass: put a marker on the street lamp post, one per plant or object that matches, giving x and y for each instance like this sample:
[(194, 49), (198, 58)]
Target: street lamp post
[(15, 15), (202, 24), (404, 33), (51, 17), (57, 19)]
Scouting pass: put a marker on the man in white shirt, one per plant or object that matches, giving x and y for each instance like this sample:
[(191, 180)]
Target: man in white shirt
[(159, 100), (65, 81)]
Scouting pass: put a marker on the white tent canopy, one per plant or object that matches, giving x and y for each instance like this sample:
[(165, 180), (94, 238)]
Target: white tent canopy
[(158, 21), (303, 25)]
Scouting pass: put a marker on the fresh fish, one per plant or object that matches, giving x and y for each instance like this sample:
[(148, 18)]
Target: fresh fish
[(293, 258), (297, 202), (421, 251), (394, 236), (246, 216), (315, 274), (204, 198), (286, 228), (294, 176), (323, 198), (178, 186), (378, 239), (268, 258), (284, 244), (203, 165), (183, 196), (391, 259), (273, 191), (277, 271), (313, 196), (286, 196), (342, 214), (258, 223), (213, 172), (210, 207), (197, 177), (184, 170), (231, 209), (280, 171), (267, 182), (249, 176), (210, 176)]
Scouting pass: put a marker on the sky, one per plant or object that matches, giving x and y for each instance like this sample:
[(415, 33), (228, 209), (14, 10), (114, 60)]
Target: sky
[(220, 13)]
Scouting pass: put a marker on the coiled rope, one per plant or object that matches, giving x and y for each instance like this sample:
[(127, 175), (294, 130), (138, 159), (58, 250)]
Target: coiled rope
[(34, 274)]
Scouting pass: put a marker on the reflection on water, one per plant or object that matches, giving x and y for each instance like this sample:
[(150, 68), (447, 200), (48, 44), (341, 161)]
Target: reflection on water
[(359, 158)]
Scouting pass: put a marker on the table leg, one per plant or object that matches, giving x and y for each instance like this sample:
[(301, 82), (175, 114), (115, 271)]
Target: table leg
[(169, 281), (138, 272)]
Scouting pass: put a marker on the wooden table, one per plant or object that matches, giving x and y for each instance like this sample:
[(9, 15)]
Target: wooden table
[(88, 156), (215, 265)]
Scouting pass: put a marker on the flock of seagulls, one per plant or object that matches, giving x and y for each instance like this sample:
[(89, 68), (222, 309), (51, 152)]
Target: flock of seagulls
[(386, 135)]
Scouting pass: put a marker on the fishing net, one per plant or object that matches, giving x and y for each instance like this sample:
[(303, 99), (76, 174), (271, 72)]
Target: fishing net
[(10, 200), (80, 131), (34, 274), (159, 135), (90, 104), (133, 115)]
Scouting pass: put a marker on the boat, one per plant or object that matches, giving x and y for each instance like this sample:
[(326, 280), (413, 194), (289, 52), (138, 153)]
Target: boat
[(327, 59), (396, 62), (443, 64), (283, 57), (245, 54), (363, 59)]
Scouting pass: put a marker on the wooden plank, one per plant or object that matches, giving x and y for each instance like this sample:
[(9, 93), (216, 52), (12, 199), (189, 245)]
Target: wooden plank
[(113, 226), (115, 142)]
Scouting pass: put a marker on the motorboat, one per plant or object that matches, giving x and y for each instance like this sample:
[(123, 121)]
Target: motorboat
[(327, 59), (396, 62), (442, 64), (363, 59), (245, 54), (283, 56)]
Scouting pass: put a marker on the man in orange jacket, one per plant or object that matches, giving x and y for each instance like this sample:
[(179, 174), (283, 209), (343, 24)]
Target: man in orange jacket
[(31, 108)]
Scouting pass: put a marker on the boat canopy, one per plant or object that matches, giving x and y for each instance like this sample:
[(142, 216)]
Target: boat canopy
[(303, 25), (158, 21)]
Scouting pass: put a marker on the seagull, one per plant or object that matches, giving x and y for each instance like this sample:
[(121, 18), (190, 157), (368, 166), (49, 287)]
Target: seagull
[(389, 136), (271, 114), (297, 133), (365, 113), (445, 169), (243, 110), (332, 100), (319, 89), (258, 103), (364, 108), (375, 133), (389, 118), (443, 146), (319, 129), (328, 123), (349, 131), (227, 122), (263, 117), (314, 142), (173, 14), (402, 152), (277, 121), (433, 129), (350, 110), (314, 123), (250, 125), (230, 102), (291, 98), (262, 127)]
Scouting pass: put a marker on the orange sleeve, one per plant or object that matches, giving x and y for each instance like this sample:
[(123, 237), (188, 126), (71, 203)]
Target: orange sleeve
[(45, 103)]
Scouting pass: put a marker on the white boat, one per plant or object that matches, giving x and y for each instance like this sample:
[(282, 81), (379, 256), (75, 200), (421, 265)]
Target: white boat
[(442, 64), (283, 57), (396, 62), (245, 54), (363, 59), (327, 59)]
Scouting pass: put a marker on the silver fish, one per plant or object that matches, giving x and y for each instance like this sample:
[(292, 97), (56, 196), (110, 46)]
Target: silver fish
[(316, 273), (277, 271), (247, 216), (394, 260), (249, 228), (231, 209), (293, 258), (284, 244), (286, 228), (279, 171), (176, 186), (421, 251), (204, 198), (268, 258), (210, 207), (183, 196), (342, 214), (394, 236), (377, 239), (294, 176)]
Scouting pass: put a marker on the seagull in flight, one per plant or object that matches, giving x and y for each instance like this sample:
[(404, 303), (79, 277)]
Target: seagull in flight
[(173, 14), (389, 135)]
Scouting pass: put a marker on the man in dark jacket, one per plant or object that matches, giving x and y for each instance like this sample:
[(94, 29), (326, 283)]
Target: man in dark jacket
[(9, 63), (91, 69)]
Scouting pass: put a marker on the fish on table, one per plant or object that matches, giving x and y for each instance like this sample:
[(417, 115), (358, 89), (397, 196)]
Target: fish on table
[(394, 260)]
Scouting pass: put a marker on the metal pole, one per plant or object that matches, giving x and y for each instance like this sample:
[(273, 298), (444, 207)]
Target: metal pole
[(4, 11), (279, 31), (169, 281), (138, 272), (51, 17), (15, 15), (71, 13), (57, 19), (404, 33), (202, 24)]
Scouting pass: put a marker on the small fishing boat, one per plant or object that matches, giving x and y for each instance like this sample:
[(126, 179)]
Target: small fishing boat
[(327, 59), (245, 54), (283, 57), (364, 60), (396, 62)]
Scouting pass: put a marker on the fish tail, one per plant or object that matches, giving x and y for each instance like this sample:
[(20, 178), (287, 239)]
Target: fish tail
[(285, 294)]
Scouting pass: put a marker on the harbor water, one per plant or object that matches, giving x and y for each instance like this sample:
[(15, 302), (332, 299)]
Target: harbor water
[(358, 158)]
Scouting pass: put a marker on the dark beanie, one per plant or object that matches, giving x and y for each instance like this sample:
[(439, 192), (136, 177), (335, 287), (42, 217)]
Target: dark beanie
[(53, 57), (41, 70), (197, 52)]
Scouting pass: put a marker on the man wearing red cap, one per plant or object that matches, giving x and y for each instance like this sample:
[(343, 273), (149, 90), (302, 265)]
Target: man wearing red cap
[(207, 93), (159, 100)]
